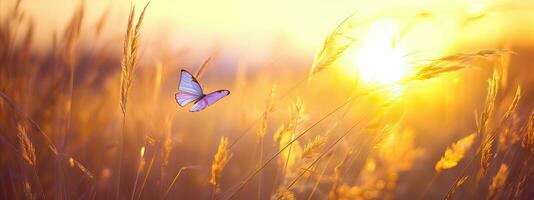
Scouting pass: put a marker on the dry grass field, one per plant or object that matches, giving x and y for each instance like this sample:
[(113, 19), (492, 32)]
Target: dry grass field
[(419, 101)]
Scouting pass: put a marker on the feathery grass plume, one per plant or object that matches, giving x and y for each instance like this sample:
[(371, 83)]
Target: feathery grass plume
[(26, 147), (221, 158), (297, 114), (464, 57), (455, 153), (455, 187), (520, 186), (486, 154), (270, 107), (513, 106), (128, 65), (528, 138), (486, 147), (331, 50), (451, 63), (282, 193), (313, 147), (489, 105), (498, 181), (289, 159), (129, 56), (433, 70)]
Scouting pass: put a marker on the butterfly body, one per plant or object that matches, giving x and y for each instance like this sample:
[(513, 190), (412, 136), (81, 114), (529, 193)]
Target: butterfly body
[(191, 92)]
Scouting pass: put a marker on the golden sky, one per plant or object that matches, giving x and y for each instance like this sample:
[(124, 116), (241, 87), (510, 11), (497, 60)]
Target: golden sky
[(253, 29)]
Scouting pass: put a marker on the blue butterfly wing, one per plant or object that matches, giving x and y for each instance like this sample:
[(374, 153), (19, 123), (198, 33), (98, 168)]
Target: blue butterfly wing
[(184, 98), (189, 84), (208, 100)]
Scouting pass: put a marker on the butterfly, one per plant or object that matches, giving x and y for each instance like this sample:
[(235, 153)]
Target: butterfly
[(190, 91)]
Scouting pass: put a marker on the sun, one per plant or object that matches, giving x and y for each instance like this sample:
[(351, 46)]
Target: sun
[(378, 58)]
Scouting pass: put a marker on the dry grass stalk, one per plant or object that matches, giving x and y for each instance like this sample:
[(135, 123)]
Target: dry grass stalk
[(142, 163), (326, 151), (147, 174), (82, 168), (455, 187), (455, 153), (166, 143), (262, 130), (289, 158), (337, 176), (203, 66), (128, 65), (176, 178), (72, 34), (498, 181), (221, 158), (256, 171), (282, 149), (28, 152)]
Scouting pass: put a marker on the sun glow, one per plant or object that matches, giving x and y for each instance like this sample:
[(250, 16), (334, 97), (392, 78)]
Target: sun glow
[(378, 58)]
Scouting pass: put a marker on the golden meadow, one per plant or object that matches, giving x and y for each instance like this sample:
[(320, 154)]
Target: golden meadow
[(427, 104)]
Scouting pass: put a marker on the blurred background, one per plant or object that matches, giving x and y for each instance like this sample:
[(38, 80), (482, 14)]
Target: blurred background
[(293, 67)]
